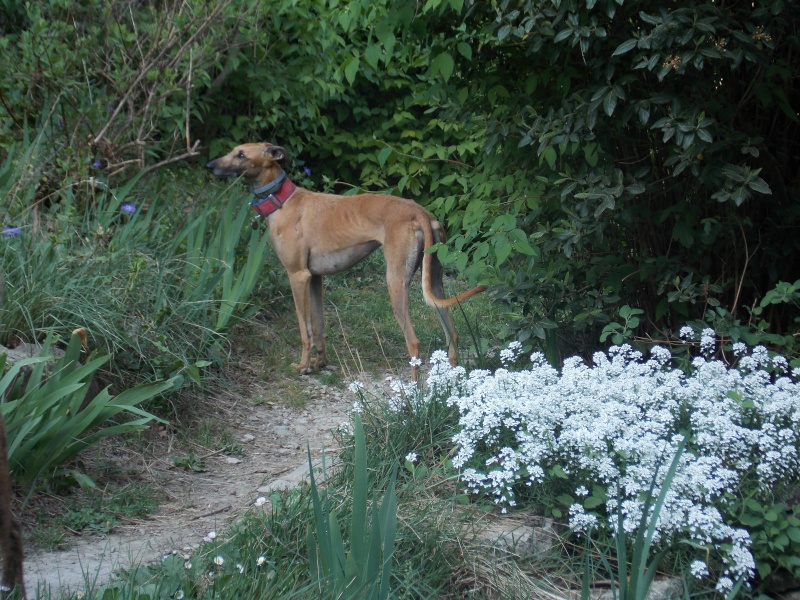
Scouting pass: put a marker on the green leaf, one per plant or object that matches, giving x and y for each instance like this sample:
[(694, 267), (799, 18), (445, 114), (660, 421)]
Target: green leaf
[(563, 35), (442, 65), (624, 47), (565, 499), (610, 103), (760, 186), (590, 153), (373, 55), (345, 19), (383, 155), (84, 481), (549, 156), (502, 249), (465, 50), (593, 502), (385, 35), (351, 68)]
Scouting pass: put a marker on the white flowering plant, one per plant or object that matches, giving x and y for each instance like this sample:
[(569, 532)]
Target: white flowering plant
[(601, 436)]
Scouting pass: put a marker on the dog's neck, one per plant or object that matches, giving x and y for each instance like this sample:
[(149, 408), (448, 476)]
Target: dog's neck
[(266, 190)]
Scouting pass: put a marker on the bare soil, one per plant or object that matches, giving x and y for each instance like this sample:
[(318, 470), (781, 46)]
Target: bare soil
[(273, 435)]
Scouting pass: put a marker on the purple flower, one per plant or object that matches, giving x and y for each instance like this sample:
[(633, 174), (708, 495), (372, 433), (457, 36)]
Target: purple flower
[(10, 231), (97, 163), (307, 169), (128, 207)]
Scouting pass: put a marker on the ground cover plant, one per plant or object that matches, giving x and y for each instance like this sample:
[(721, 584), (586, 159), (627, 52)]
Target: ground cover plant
[(600, 439), (51, 418)]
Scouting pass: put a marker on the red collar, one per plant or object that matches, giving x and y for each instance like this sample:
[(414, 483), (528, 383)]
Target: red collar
[(265, 206)]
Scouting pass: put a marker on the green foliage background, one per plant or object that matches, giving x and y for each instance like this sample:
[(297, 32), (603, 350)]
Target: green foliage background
[(585, 155)]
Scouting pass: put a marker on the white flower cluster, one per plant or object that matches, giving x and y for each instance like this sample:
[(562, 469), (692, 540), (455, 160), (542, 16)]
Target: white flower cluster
[(510, 354), (618, 423)]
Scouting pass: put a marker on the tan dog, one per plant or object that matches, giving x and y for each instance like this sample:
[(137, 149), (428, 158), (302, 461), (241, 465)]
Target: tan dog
[(317, 234)]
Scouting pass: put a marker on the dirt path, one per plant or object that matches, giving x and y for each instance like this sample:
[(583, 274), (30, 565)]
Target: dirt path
[(273, 436)]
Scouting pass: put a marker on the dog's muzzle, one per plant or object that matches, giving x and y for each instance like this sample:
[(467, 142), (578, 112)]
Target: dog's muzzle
[(214, 168)]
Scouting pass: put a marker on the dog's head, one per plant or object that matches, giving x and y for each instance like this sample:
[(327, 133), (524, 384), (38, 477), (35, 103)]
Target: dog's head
[(260, 163)]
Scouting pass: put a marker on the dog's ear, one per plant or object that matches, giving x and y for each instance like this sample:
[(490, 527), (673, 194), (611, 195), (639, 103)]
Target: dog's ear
[(277, 153)]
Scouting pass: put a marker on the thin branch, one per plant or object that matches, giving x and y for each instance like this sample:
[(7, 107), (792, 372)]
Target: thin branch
[(190, 154), (747, 257), (188, 101), (169, 44)]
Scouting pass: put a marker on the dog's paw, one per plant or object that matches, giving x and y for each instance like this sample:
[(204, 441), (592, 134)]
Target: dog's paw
[(303, 369)]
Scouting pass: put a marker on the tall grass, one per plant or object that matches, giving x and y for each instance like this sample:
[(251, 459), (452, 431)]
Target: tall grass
[(363, 570), (155, 280)]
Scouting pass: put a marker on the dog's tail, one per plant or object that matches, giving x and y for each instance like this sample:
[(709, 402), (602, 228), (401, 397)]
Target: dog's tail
[(427, 273)]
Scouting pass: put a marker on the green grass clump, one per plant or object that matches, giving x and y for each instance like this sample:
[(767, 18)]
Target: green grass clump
[(50, 417), (99, 512)]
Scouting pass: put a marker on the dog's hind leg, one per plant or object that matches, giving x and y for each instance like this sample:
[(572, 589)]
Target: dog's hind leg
[(403, 250), (318, 322), (437, 287)]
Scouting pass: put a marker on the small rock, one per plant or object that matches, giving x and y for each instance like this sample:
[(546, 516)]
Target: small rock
[(232, 460), (248, 438), (525, 536)]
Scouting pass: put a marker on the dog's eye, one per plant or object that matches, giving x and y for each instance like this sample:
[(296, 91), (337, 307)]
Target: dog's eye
[(241, 154)]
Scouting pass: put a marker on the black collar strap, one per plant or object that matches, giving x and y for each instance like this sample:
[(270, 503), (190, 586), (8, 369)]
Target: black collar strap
[(271, 197), (269, 189)]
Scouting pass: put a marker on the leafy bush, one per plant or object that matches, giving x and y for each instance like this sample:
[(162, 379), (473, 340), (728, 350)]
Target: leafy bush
[(118, 80), (589, 440), (587, 156), (645, 156)]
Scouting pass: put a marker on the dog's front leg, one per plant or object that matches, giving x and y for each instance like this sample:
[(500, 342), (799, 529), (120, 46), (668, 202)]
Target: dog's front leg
[(301, 291)]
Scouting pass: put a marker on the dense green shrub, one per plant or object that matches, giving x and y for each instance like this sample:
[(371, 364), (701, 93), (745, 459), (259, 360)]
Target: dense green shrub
[(654, 158)]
